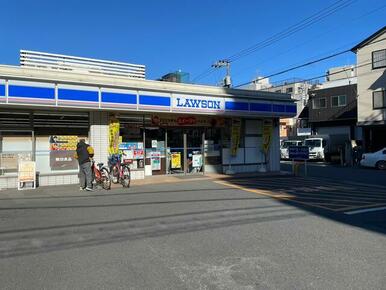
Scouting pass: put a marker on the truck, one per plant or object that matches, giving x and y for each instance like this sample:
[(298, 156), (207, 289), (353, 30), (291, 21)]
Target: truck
[(326, 147)]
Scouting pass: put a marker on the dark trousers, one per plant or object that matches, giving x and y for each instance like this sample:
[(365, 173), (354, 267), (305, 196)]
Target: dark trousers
[(85, 175)]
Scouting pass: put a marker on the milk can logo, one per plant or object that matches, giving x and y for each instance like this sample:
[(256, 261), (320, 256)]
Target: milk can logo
[(197, 103)]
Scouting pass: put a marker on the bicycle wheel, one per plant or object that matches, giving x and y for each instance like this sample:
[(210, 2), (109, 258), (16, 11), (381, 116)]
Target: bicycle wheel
[(105, 179), (126, 176), (114, 173)]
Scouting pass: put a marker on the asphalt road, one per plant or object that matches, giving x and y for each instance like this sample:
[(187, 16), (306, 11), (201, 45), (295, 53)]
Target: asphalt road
[(340, 173), (256, 233)]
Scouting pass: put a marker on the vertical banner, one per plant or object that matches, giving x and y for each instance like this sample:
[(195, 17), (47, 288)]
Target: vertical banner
[(267, 135), (235, 135), (114, 136)]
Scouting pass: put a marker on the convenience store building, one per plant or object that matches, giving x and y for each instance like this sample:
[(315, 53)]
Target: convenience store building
[(162, 127)]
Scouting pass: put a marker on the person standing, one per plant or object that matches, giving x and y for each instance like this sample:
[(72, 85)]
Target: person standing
[(84, 153)]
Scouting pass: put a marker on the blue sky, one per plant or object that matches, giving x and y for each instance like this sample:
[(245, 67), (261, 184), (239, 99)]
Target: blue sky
[(189, 35)]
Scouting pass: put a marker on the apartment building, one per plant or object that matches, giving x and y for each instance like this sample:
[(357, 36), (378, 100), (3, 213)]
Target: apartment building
[(371, 68)]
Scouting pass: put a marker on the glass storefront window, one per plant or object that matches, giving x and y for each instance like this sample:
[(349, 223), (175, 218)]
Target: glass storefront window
[(132, 146), (55, 153), (213, 146), (15, 146), (156, 153)]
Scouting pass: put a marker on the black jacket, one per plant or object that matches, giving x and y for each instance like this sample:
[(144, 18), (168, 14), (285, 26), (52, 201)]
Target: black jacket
[(84, 152)]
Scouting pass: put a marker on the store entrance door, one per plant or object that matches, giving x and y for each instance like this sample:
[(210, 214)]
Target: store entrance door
[(186, 150)]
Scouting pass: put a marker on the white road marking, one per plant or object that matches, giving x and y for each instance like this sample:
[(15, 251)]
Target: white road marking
[(365, 210)]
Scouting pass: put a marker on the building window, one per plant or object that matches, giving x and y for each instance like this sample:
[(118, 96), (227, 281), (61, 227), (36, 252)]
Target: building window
[(319, 103), (379, 58), (379, 100), (278, 91), (289, 90), (338, 101)]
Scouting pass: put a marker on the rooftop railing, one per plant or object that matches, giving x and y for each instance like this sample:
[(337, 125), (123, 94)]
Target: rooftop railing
[(59, 62)]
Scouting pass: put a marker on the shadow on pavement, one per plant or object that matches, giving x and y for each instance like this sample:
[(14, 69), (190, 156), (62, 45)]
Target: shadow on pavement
[(330, 199), (129, 204), (48, 239)]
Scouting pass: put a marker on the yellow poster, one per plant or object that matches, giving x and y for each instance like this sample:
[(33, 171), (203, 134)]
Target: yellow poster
[(63, 142), (176, 160), (235, 136), (114, 127), (267, 136)]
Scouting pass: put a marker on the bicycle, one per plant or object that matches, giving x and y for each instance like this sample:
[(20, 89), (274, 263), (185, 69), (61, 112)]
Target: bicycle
[(120, 171), (101, 175)]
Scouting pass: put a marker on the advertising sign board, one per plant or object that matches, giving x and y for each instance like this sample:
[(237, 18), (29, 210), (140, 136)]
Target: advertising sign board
[(26, 174), (62, 151), (298, 152), (176, 160)]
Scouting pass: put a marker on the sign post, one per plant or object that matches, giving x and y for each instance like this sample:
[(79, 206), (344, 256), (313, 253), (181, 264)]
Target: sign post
[(299, 153)]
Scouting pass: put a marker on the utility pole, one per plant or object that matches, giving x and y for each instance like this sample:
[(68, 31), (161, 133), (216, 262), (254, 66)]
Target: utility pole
[(227, 83)]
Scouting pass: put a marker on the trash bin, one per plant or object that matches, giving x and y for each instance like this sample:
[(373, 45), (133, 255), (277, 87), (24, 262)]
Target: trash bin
[(37, 179)]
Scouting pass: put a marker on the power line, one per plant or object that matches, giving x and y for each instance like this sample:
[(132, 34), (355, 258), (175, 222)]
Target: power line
[(294, 28), (305, 64), (316, 17), (299, 66), (377, 9), (325, 75)]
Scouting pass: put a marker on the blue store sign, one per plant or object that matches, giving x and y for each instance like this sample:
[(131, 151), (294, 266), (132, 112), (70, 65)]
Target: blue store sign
[(299, 152), (194, 103)]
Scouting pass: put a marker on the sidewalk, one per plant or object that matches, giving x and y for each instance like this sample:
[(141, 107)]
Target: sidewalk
[(70, 190)]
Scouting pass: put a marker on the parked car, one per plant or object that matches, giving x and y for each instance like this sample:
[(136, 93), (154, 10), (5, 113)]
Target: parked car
[(376, 159)]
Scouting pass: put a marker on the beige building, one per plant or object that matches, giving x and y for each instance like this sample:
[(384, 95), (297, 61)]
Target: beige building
[(371, 69), (298, 90)]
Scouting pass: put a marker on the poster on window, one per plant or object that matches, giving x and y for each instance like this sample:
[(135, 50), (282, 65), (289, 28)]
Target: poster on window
[(176, 160), (127, 154), (64, 143), (197, 160), (139, 154), (156, 160), (130, 145), (62, 151)]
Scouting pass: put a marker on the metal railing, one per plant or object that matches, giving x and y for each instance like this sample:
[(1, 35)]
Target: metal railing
[(43, 60)]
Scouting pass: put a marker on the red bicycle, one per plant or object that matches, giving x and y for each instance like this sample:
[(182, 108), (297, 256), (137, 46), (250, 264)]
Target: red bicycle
[(120, 171), (101, 175)]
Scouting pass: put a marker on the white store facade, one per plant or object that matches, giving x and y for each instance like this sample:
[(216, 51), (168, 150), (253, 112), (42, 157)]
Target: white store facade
[(164, 127)]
